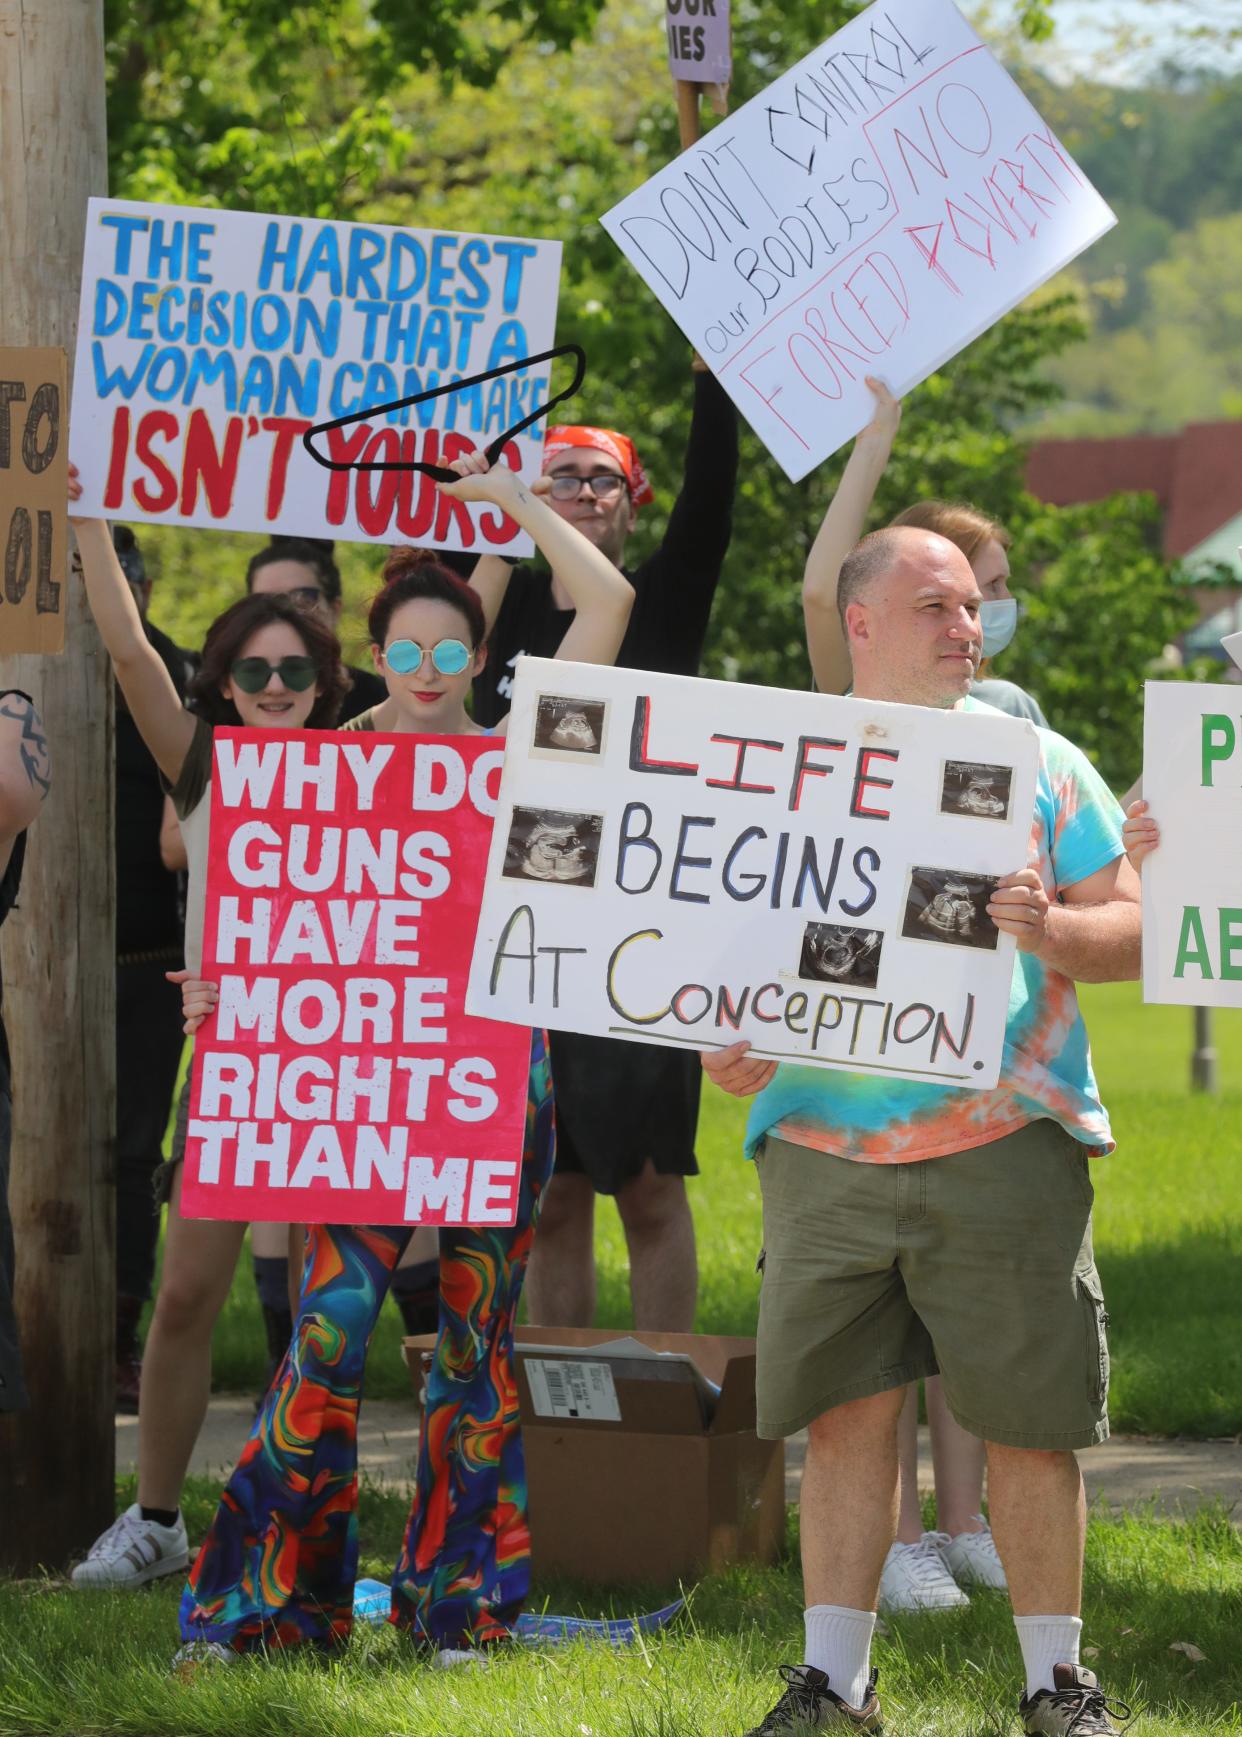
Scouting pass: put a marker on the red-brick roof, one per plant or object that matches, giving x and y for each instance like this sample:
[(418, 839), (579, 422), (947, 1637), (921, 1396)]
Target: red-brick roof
[(1196, 476)]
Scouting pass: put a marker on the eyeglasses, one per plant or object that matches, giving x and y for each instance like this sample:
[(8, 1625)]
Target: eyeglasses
[(604, 487), (253, 674), (306, 596), (405, 656)]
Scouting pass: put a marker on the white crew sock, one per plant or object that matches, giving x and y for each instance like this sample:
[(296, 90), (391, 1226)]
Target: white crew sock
[(1046, 1641), (838, 1642)]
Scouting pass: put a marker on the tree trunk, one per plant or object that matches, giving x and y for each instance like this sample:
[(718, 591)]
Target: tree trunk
[(57, 1460)]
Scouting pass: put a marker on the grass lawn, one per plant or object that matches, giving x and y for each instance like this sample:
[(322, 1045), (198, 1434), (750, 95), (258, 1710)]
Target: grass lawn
[(81, 1664), (1168, 1232)]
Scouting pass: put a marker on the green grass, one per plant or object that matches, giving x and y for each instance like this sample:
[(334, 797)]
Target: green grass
[(78, 1664), (1168, 1232)]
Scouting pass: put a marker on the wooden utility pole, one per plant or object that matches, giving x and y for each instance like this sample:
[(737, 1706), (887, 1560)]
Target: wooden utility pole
[(57, 1460)]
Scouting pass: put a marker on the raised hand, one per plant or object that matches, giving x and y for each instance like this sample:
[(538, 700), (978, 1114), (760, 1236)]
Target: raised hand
[(199, 997)]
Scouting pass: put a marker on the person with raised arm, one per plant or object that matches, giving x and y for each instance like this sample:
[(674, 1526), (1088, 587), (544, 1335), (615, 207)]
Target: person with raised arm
[(983, 541), (912, 1228), (627, 1113), (277, 1567), (924, 1570), (267, 664)]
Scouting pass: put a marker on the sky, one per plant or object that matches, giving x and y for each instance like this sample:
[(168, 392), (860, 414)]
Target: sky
[(1087, 35)]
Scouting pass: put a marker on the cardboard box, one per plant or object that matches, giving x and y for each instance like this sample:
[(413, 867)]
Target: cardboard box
[(628, 1480)]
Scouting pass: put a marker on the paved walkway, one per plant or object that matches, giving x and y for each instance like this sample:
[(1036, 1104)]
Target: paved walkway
[(1177, 1476)]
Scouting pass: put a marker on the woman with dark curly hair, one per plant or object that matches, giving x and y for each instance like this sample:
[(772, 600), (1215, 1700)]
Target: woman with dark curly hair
[(277, 1565), (267, 664)]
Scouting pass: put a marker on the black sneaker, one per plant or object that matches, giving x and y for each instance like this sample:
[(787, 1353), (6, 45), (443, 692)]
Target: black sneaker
[(808, 1704), (1075, 1708)]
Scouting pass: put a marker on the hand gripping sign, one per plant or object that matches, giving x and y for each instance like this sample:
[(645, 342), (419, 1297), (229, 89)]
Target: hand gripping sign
[(690, 862), (211, 342), (871, 212), (340, 1079)]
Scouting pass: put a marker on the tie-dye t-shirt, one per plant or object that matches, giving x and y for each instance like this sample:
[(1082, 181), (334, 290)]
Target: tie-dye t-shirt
[(1046, 1070)]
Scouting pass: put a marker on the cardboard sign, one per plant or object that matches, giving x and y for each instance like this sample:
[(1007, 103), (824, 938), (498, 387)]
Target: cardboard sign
[(699, 46), (871, 212), (690, 862), (210, 342), (339, 1080), (1192, 883), (34, 464)]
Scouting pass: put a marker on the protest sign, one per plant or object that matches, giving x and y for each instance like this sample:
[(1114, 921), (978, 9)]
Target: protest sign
[(211, 342), (339, 1080), (33, 480), (871, 212), (690, 862), (699, 49), (1192, 888)]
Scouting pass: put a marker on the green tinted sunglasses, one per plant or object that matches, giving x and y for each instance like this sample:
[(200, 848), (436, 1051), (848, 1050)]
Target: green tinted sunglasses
[(253, 674), (405, 656)]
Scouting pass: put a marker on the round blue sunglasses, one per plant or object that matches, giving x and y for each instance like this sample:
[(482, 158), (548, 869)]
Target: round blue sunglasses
[(405, 656)]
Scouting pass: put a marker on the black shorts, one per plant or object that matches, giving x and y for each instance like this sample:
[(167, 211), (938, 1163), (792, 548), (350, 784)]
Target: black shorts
[(620, 1104)]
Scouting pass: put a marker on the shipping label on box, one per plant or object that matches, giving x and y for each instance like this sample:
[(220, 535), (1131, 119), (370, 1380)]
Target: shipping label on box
[(570, 1388)]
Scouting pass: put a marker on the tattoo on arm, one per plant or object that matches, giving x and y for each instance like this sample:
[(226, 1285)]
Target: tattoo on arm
[(36, 761)]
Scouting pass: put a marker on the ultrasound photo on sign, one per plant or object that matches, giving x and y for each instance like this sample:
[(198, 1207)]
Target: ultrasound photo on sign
[(839, 953), (565, 725), (977, 790), (545, 844), (950, 907)]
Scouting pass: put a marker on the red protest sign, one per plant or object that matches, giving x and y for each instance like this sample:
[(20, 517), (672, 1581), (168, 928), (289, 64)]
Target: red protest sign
[(340, 1079)]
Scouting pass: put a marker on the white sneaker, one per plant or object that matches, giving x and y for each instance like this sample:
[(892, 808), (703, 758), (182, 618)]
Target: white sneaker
[(972, 1560), (914, 1577), (133, 1551), (459, 1659)]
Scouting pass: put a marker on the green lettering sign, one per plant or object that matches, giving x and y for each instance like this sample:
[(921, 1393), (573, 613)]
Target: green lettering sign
[(1192, 947), (1218, 741), (1230, 944)]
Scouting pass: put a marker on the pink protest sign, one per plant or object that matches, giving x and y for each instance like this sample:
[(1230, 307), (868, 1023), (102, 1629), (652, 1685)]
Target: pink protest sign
[(340, 1079)]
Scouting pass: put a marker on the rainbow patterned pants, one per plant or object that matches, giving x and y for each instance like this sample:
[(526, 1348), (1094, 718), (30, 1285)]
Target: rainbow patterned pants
[(279, 1562)]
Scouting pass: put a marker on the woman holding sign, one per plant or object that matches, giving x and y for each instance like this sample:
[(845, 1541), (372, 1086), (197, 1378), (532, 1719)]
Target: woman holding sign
[(278, 1564), (924, 1570), (267, 664)]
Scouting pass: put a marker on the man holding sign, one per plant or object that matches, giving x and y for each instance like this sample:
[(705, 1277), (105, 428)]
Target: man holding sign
[(899, 1216)]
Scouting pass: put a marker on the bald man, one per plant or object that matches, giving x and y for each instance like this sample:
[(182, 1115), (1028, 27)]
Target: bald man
[(911, 1228)]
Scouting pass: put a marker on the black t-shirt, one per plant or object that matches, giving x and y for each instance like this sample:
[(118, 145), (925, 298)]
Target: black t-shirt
[(368, 690), (673, 588), (148, 913)]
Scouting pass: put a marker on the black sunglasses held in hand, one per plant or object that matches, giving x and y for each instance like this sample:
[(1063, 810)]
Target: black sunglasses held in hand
[(253, 674)]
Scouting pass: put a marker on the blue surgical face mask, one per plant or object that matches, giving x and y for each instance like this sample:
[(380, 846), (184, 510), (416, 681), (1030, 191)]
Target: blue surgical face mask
[(999, 621)]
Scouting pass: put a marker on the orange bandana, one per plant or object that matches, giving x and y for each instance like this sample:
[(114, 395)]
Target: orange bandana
[(618, 446)]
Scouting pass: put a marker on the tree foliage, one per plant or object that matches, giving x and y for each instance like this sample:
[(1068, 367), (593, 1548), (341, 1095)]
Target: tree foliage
[(371, 111)]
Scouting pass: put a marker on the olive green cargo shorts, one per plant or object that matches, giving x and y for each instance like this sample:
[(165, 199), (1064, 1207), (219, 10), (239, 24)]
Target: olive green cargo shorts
[(976, 1266)]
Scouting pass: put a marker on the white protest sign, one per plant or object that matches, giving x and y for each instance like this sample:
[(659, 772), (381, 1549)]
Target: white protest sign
[(871, 212), (690, 862), (699, 46), (1192, 883), (210, 342)]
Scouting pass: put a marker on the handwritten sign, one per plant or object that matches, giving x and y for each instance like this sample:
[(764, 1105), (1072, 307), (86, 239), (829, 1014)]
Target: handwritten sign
[(871, 212), (699, 47), (690, 862), (33, 480), (339, 1080), (1192, 887), (209, 342)]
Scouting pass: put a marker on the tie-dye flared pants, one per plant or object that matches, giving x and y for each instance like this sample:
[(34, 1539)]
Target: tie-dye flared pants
[(279, 1562)]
